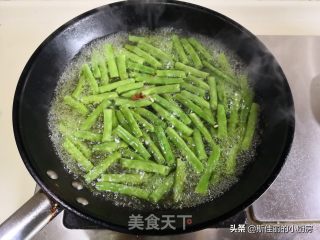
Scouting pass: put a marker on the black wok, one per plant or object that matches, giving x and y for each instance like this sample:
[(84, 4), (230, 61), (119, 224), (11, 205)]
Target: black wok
[(38, 81)]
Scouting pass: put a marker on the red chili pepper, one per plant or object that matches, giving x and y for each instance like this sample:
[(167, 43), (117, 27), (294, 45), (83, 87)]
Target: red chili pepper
[(137, 96)]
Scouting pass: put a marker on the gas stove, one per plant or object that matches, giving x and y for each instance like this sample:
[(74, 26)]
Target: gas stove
[(290, 208)]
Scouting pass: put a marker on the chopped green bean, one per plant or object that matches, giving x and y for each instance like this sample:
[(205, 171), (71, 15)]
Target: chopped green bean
[(93, 116), (111, 86), (247, 97), (132, 103), (234, 116), (112, 66), (108, 147), (127, 152), (94, 65), (139, 74), (171, 99), (103, 71), (122, 121), (76, 105), (143, 122), (220, 74), (199, 146), (180, 178), (162, 189), (203, 184), (213, 93), (90, 78), (222, 121), (201, 102), (132, 141), (140, 68), (224, 64), (158, 80), (86, 151), (133, 57), (251, 126), (156, 52), (207, 116), (114, 119), (79, 88), (133, 38), (164, 145), (199, 82), (128, 87), (171, 73), (150, 116), (134, 179), (122, 68), (146, 166), (131, 121), (179, 50), (191, 88), (214, 130), (198, 47), (191, 70), (87, 135), (231, 161), (221, 92), (77, 155), (107, 124), (152, 147), (99, 169), (192, 53), (123, 189), (199, 125), (173, 108), (97, 98), (189, 141), (171, 88), (184, 149), (146, 56), (172, 120)]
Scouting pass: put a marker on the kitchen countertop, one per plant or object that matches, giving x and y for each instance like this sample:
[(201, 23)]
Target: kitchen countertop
[(25, 24)]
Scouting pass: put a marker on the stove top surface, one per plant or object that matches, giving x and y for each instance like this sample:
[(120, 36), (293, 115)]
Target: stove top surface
[(294, 196)]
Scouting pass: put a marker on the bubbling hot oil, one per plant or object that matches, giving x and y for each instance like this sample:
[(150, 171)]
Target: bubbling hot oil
[(59, 112)]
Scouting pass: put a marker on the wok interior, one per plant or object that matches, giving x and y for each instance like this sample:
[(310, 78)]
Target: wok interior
[(39, 79)]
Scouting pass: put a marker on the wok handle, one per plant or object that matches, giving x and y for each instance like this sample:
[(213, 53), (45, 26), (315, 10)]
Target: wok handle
[(30, 218)]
